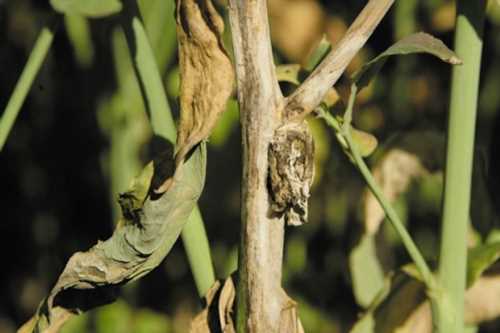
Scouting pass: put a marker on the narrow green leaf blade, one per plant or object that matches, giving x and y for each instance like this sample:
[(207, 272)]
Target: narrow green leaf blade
[(87, 8), (415, 43)]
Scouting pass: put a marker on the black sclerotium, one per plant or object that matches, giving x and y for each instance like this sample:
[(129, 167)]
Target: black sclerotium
[(291, 169)]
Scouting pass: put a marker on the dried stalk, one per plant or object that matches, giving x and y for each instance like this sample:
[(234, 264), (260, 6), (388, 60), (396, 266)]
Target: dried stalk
[(260, 298), (314, 88)]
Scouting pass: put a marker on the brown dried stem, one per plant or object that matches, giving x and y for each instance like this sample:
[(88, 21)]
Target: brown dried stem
[(312, 91), (260, 297)]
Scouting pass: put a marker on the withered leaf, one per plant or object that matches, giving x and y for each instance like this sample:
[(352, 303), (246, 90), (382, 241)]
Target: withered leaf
[(206, 73), (137, 246), (217, 316)]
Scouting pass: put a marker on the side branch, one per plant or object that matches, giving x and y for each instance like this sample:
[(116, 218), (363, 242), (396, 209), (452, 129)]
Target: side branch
[(314, 88)]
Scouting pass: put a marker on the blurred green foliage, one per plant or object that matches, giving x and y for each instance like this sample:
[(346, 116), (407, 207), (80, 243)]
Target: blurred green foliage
[(83, 134)]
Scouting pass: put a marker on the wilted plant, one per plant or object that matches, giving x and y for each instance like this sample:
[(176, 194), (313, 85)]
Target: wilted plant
[(277, 173)]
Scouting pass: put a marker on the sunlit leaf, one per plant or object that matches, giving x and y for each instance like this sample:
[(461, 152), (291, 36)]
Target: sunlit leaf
[(479, 259), (415, 43), (366, 142), (87, 8)]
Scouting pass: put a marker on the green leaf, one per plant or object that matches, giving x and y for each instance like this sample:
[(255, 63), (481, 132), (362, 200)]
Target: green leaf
[(366, 142), (288, 73), (319, 53), (87, 8), (415, 43), (366, 272), (79, 34), (479, 259)]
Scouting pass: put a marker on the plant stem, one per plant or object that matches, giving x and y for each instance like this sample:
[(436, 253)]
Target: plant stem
[(260, 298), (460, 145), (147, 72), (193, 235), (391, 214), (23, 85), (393, 217), (197, 249)]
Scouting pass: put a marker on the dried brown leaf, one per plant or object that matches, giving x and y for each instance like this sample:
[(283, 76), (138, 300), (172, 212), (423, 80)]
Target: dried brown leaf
[(217, 315), (289, 319), (206, 72)]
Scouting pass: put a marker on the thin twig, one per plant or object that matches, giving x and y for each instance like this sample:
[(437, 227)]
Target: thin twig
[(409, 244), (314, 88)]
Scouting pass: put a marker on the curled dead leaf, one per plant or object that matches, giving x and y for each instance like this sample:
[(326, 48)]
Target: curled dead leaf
[(217, 316), (206, 75), (149, 228)]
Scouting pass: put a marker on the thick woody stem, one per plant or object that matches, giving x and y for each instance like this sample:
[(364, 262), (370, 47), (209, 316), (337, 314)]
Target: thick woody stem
[(260, 297), (314, 88)]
